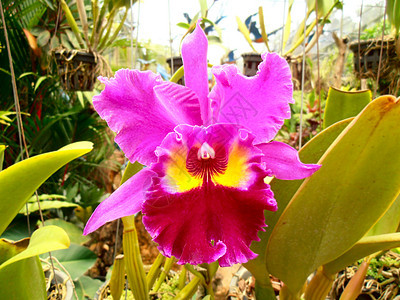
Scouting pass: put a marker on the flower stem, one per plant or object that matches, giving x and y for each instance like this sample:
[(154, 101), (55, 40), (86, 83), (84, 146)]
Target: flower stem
[(133, 260), (189, 290), (155, 270)]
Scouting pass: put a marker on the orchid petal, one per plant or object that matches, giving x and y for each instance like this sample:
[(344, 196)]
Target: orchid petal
[(284, 161), (200, 217), (194, 56), (180, 101), (125, 201), (131, 108), (259, 103)]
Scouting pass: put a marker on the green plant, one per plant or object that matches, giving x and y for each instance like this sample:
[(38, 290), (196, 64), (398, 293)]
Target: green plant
[(21, 273), (94, 34)]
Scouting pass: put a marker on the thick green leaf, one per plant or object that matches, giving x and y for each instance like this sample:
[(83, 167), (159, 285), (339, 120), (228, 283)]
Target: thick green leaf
[(23, 280), (86, 287), (334, 208), (18, 182), (44, 205), (74, 232), (341, 105), (76, 259), (44, 239), (8, 248), (389, 222), (392, 10), (284, 191), (364, 247), (2, 149)]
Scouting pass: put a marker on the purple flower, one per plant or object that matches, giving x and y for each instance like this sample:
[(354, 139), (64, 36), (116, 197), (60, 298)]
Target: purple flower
[(203, 192)]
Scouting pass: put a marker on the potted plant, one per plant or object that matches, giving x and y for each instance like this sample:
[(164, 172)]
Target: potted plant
[(78, 68), (367, 53), (252, 34)]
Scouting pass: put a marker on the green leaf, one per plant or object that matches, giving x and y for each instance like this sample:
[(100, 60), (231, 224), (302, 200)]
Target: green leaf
[(45, 205), (364, 247), (44, 239), (389, 222), (323, 6), (39, 81), (203, 8), (76, 259), (27, 282), (243, 29), (43, 38), (8, 248), (284, 191), (18, 182), (86, 287), (2, 149), (335, 207), (341, 105), (183, 25), (74, 232), (286, 32)]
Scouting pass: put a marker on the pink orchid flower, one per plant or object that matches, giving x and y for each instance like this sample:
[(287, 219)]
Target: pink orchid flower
[(203, 194)]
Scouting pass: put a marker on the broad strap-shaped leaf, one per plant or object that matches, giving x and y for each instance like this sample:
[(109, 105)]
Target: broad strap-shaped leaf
[(389, 222), (44, 239), (364, 247), (334, 208), (19, 182), (341, 105), (44, 205), (23, 280), (284, 191), (75, 233)]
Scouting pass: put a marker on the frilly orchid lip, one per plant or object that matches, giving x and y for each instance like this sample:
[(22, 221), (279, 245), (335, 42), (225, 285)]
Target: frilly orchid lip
[(203, 193)]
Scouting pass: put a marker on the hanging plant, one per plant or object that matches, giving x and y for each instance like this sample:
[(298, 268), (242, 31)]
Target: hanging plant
[(78, 68)]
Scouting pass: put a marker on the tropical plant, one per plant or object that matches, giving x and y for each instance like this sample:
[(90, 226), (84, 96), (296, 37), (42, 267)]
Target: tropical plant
[(21, 272)]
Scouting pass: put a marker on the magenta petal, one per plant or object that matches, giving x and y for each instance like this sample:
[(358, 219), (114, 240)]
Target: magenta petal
[(194, 56), (181, 102), (125, 201), (260, 103), (216, 217), (202, 226), (284, 162), (129, 105)]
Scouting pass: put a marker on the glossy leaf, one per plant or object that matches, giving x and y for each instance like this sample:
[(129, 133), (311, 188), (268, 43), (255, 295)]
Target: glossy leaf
[(341, 105), (389, 222), (76, 259), (335, 207), (284, 191), (86, 287), (45, 205), (18, 182), (8, 248), (74, 232), (44, 239), (27, 282), (364, 247)]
